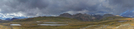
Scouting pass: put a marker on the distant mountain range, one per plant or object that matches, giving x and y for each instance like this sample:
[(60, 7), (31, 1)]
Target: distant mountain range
[(11, 19), (128, 14), (79, 16), (86, 17)]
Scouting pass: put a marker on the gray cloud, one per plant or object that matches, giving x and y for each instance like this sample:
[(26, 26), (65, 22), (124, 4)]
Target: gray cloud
[(56, 7)]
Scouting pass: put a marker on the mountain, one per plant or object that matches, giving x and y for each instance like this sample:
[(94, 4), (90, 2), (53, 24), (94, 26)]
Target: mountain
[(14, 19), (86, 17), (11, 19), (79, 16), (8, 19), (83, 17), (97, 17), (128, 14), (108, 15), (66, 15)]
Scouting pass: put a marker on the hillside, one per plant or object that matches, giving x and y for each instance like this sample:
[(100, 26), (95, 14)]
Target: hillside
[(68, 23), (47, 19), (87, 17)]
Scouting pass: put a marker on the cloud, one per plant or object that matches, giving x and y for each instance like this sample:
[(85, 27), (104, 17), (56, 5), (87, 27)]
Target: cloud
[(56, 7), (11, 15), (74, 12)]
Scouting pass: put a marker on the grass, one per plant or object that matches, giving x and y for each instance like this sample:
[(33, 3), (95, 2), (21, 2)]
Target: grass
[(111, 23), (72, 23)]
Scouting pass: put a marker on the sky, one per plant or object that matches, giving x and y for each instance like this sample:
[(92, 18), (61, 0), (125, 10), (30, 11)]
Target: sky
[(31, 8)]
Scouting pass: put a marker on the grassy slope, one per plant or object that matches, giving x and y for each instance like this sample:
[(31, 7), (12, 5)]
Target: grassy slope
[(73, 23), (112, 23)]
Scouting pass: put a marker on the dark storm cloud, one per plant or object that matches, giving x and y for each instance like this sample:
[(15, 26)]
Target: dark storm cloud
[(35, 3), (123, 3), (56, 7)]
